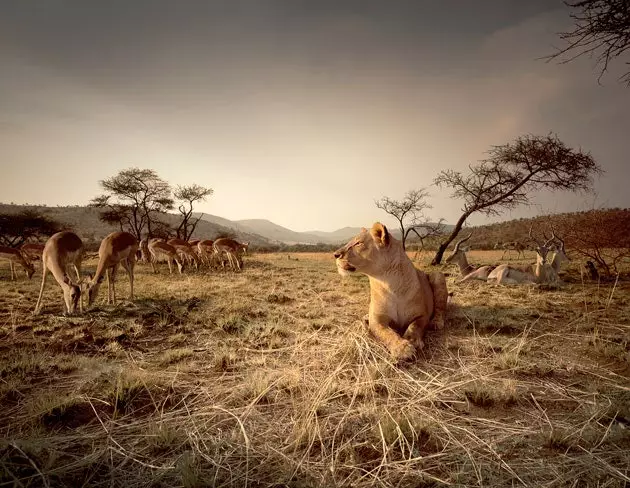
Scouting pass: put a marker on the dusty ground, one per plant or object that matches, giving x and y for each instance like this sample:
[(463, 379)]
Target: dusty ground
[(266, 378)]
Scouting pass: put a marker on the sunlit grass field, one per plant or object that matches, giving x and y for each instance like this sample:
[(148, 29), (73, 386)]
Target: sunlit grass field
[(267, 378)]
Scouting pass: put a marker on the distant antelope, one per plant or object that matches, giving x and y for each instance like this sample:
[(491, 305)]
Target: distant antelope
[(14, 256), (507, 247), (206, 252), (231, 248), (160, 249), (186, 250)]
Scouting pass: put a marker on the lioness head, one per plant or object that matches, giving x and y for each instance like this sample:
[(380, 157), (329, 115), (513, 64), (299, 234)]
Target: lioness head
[(369, 252)]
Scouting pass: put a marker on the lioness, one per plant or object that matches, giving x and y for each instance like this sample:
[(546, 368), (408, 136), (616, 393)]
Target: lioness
[(403, 299)]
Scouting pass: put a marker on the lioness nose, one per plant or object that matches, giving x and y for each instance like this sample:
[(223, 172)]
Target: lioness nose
[(338, 254)]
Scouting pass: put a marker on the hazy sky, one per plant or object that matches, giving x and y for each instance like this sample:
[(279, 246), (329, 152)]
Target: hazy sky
[(300, 112)]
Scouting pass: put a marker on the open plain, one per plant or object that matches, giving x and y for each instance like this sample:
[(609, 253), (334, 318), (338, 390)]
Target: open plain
[(267, 378)]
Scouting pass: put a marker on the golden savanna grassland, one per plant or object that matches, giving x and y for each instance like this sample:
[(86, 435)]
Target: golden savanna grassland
[(267, 378)]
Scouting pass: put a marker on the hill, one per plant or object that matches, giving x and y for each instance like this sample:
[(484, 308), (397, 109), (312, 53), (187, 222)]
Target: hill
[(85, 221), (278, 233), (281, 235)]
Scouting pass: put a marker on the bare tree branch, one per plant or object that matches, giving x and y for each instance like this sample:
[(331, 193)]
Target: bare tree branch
[(511, 173), (409, 212), (189, 195), (601, 30)]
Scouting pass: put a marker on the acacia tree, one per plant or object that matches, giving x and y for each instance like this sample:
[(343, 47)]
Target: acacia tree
[(507, 177), (602, 29), (15, 229), (409, 212), (188, 195), (134, 199), (427, 231), (600, 235)]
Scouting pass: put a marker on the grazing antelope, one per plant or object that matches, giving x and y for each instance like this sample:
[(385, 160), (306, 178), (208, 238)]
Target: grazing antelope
[(507, 247), (468, 271), (231, 248), (160, 249), (61, 250), (32, 251), (15, 256), (116, 248), (143, 249), (541, 272), (186, 250), (206, 252)]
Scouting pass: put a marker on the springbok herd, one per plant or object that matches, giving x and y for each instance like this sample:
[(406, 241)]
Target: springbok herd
[(66, 248)]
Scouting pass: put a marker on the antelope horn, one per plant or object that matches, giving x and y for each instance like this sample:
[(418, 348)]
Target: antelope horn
[(559, 239), (461, 241), (538, 243), (553, 238)]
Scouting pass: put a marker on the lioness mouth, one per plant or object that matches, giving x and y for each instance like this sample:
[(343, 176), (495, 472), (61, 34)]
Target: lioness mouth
[(348, 267)]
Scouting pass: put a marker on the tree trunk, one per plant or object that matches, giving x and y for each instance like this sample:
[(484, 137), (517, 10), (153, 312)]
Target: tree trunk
[(444, 245), (403, 237), (194, 226)]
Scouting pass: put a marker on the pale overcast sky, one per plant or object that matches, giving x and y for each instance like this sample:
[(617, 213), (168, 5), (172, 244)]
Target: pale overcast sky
[(300, 112)]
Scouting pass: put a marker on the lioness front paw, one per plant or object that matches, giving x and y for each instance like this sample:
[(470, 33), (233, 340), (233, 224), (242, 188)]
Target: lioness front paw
[(404, 351)]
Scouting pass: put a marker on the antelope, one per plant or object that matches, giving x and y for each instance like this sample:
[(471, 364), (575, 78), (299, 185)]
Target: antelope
[(159, 248), (468, 271), (185, 249), (15, 256), (559, 256), (145, 255), (541, 272), (206, 252), (517, 246), (231, 248), (116, 248), (61, 250), (32, 250)]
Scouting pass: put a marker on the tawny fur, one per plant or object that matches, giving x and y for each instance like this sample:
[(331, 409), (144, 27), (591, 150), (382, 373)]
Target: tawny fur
[(161, 250), (62, 250), (403, 299), (32, 251), (185, 250), (117, 248), (231, 248)]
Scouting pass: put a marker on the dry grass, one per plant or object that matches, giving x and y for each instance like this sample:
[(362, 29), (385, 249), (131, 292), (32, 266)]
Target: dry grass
[(266, 378)]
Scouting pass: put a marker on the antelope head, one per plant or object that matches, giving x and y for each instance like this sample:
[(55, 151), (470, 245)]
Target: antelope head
[(560, 251), (457, 251), (542, 248)]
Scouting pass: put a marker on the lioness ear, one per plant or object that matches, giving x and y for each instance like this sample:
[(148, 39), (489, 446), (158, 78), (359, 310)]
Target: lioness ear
[(380, 234)]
